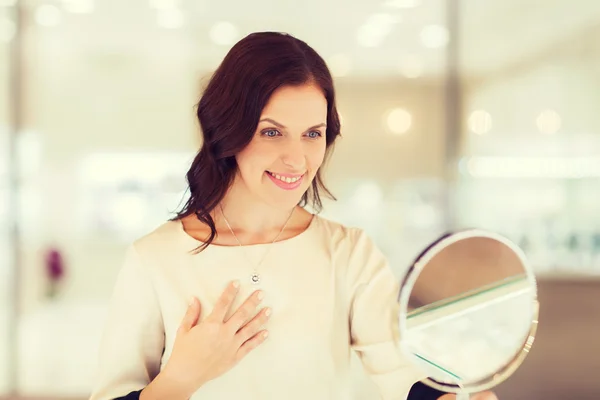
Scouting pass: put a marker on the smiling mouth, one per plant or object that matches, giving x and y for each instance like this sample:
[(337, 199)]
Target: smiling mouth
[(286, 179)]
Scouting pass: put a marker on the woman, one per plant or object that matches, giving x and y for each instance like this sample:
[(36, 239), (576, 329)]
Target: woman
[(196, 298)]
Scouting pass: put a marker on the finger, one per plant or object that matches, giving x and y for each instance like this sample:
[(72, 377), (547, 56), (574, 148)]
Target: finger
[(251, 344), (484, 396), (253, 326), (246, 311), (224, 302), (192, 314)]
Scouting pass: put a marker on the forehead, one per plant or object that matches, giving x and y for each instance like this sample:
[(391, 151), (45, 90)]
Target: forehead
[(292, 102)]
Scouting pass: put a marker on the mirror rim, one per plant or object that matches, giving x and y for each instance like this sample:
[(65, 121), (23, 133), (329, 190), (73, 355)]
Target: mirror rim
[(410, 279)]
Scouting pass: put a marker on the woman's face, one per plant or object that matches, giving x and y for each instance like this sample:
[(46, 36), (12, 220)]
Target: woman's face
[(288, 147)]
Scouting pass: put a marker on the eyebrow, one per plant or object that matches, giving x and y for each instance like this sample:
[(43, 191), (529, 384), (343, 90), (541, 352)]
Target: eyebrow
[(277, 124)]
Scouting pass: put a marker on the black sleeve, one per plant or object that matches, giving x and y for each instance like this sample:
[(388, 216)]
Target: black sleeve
[(420, 391), (131, 396)]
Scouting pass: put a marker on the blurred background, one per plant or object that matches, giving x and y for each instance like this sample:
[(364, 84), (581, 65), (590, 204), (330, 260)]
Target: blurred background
[(456, 113)]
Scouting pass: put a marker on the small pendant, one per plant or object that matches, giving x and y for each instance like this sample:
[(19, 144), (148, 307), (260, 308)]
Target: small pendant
[(255, 278)]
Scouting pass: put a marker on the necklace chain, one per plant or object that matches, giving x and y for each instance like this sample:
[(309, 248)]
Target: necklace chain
[(255, 277)]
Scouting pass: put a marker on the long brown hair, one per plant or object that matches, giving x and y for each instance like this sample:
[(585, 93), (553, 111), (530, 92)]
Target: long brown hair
[(230, 108)]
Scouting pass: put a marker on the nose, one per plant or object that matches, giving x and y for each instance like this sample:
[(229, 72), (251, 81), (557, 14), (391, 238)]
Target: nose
[(293, 156)]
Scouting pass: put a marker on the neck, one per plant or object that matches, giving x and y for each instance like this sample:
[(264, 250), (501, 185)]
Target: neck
[(250, 218)]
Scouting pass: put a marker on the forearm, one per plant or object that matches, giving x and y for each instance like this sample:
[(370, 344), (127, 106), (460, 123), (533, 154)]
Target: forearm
[(166, 387)]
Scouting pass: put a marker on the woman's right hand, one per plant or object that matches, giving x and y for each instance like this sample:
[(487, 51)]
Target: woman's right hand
[(203, 351)]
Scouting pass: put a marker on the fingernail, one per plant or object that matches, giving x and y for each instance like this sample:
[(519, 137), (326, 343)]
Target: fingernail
[(191, 301), (261, 295), (265, 334), (268, 312), (236, 284)]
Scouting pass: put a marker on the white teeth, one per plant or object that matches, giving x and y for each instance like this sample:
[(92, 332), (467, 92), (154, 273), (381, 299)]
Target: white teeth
[(286, 179)]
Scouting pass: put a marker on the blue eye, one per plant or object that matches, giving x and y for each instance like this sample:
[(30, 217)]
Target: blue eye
[(270, 133), (314, 134)]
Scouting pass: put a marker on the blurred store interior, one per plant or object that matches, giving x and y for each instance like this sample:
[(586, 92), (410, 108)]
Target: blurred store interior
[(456, 113)]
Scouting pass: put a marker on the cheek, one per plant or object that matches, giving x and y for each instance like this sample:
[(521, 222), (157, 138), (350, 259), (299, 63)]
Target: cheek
[(252, 158), (316, 156)]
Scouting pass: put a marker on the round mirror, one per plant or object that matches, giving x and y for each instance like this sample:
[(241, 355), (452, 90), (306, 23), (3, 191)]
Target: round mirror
[(468, 311)]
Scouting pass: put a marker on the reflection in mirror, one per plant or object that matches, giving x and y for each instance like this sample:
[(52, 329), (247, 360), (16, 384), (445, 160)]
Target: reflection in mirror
[(468, 306)]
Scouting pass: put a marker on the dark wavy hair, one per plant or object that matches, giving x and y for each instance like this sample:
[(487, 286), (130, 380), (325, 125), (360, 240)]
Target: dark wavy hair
[(230, 108)]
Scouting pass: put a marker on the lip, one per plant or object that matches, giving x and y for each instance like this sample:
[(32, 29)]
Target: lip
[(285, 185)]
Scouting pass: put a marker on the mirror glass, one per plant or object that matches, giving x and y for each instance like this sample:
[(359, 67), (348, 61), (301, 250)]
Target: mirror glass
[(467, 308)]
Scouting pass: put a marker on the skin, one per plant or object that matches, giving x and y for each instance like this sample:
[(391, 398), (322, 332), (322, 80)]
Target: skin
[(289, 140), (479, 396)]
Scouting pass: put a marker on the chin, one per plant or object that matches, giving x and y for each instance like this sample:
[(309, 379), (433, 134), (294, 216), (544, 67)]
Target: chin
[(283, 199)]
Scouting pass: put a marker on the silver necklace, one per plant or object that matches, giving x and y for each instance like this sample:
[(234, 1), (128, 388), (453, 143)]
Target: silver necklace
[(255, 277)]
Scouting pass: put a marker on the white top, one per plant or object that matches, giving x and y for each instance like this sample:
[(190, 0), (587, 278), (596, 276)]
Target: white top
[(330, 289)]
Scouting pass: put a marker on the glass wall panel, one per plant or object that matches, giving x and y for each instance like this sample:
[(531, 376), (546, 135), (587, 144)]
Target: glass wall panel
[(531, 131)]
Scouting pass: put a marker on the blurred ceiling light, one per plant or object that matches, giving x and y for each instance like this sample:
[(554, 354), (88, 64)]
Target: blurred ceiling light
[(480, 122), (7, 3), (170, 18), (368, 36), (548, 122), (382, 19), (164, 4), (411, 67), (374, 31), (224, 33), (402, 3), (48, 15), (7, 30), (340, 65), (434, 36), (398, 121), (78, 6)]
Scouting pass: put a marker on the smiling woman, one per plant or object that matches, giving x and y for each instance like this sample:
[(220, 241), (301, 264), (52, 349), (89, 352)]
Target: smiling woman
[(256, 116), (288, 155), (197, 297)]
